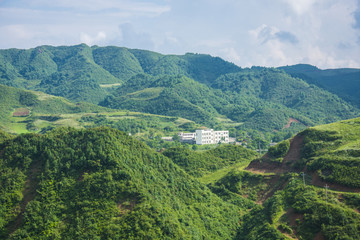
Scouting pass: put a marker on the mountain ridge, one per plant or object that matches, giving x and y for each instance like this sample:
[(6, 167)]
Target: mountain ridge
[(212, 90)]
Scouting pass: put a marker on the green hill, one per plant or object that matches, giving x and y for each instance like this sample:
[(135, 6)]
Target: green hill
[(328, 152), (344, 82), (308, 186), (76, 72), (100, 184), (199, 164), (167, 95), (262, 99), (262, 103), (20, 108), (23, 111)]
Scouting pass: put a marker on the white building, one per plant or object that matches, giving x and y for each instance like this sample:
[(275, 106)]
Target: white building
[(187, 137), (221, 136), (210, 136)]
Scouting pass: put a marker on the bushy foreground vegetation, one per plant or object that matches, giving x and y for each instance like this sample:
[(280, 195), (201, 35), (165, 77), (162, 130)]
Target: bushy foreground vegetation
[(199, 164), (305, 213), (333, 151), (102, 184)]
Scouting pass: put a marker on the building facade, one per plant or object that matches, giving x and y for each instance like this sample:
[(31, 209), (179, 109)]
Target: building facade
[(209, 136), (187, 137)]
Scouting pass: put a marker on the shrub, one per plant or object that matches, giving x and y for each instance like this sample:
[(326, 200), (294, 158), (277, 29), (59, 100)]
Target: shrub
[(279, 150)]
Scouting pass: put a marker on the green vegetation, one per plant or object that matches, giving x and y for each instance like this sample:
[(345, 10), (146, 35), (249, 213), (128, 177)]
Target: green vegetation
[(347, 88), (258, 99), (199, 164), (100, 184), (280, 149), (19, 109), (333, 151), (263, 103)]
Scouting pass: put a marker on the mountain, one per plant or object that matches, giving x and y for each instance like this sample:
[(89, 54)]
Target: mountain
[(202, 88), (167, 95), (79, 72), (345, 82), (99, 184), (308, 186), (264, 99)]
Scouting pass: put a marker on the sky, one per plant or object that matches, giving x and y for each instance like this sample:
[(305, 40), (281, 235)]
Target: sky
[(271, 33)]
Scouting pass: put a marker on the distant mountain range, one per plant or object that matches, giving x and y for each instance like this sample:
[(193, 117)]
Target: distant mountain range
[(199, 87), (101, 183)]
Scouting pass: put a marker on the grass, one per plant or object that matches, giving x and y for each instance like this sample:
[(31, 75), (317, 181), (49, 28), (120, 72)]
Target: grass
[(16, 125), (146, 94), (110, 85), (228, 122), (349, 131), (215, 176)]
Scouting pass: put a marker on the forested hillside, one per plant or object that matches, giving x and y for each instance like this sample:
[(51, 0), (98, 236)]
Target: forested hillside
[(102, 184), (308, 186), (257, 102), (330, 152), (263, 99), (344, 82)]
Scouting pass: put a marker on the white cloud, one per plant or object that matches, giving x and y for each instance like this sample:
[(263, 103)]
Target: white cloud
[(138, 7), (301, 6), (231, 54), (266, 33), (132, 38), (89, 40), (269, 33)]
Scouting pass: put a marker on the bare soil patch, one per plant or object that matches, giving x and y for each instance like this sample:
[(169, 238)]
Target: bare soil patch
[(317, 181), (265, 164), (291, 120), (21, 112)]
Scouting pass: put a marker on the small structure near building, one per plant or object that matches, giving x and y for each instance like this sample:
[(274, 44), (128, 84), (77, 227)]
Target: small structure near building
[(169, 139), (187, 137)]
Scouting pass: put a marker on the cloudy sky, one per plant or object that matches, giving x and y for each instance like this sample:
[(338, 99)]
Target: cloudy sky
[(325, 33)]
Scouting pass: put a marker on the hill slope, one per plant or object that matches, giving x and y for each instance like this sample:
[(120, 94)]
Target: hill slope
[(101, 183), (17, 106), (308, 186), (343, 82), (331, 152), (264, 99), (199, 87)]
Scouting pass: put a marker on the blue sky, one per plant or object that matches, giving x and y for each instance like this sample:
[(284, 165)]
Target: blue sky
[(324, 33)]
